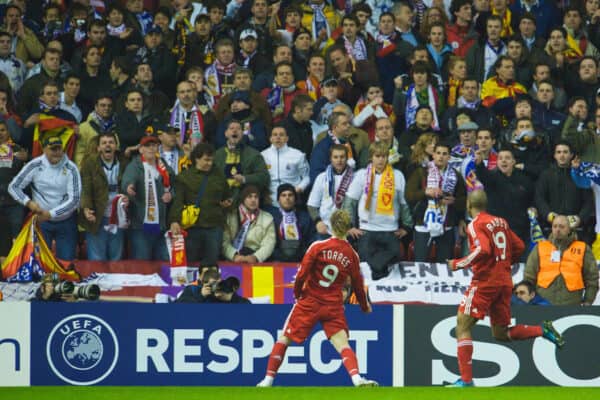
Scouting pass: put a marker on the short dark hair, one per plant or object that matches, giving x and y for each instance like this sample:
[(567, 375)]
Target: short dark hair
[(51, 51), (201, 17), (49, 83), (98, 23), (530, 286), (283, 64), (339, 147), (364, 7), (216, 4), (563, 142), (201, 150), (574, 100), (528, 15), (111, 134), (87, 49), (103, 95), (123, 63), (71, 75), (456, 5), (300, 101)]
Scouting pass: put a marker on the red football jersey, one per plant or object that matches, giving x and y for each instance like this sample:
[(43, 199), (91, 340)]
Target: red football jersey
[(325, 269), (494, 248)]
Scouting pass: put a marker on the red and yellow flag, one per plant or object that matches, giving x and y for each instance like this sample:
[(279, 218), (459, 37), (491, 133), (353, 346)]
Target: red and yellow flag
[(30, 258), (50, 125)]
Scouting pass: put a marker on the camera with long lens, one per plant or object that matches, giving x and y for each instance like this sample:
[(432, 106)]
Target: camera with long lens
[(63, 287), (87, 292)]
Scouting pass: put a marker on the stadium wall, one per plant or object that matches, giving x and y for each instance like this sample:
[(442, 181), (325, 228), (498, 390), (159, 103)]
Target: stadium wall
[(220, 345)]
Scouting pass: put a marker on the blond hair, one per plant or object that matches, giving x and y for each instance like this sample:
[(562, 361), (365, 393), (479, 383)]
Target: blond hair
[(378, 148), (340, 223), (418, 151)]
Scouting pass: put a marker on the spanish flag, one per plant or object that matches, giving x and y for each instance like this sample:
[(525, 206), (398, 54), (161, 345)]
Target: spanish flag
[(30, 258), (50, 125)]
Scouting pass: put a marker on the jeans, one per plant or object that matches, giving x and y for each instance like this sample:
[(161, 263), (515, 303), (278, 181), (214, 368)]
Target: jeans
[(204, 245), (104, 246), (379, 250), (145, 246), (444, 246), (65, 235)]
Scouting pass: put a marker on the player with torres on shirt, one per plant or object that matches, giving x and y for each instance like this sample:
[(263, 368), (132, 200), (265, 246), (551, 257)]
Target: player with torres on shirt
[(318, 291)]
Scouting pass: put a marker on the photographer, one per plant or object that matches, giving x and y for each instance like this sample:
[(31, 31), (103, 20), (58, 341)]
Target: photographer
[(225, 291), (201, 291), (53, 289)]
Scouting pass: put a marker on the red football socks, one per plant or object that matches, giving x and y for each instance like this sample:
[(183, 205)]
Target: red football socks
[(465, 362), (522, 332), (349, 360), (276, 358)]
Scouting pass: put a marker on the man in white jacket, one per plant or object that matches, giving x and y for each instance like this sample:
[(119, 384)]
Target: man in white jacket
[(285, 164), (56, 192)]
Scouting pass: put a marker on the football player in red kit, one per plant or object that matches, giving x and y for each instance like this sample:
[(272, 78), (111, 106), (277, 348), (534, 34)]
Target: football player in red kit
[(494, 248), (318, 290)]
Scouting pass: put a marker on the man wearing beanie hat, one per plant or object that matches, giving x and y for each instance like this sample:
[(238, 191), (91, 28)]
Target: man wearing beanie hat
[(254, 130), (249, 235), (285, 164), (294, 227)]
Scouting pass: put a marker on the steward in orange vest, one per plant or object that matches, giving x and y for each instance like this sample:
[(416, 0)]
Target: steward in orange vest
[(564, 271)]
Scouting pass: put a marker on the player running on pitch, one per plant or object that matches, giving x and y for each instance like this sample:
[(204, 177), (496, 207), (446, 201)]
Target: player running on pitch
[(494, 248), (318, 291)]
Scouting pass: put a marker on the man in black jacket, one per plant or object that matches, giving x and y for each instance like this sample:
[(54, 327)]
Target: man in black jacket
[(297, 124), (556, 193)]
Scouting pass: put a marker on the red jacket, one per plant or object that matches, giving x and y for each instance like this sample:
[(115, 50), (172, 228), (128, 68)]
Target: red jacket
[(460, 39)]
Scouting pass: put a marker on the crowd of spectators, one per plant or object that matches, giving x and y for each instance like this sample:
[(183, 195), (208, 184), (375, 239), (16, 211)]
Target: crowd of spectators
[(266, 116)]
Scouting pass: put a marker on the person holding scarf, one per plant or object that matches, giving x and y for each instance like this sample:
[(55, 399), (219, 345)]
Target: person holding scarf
[(187, 116), (295, 230), (249, 235), (320, 19), (377, 193), (329, 190), (438, 196), (219, 76), (283, 92), (147, 182)]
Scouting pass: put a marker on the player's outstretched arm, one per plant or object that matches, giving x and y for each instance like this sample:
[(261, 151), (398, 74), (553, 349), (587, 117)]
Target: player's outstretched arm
[(482, 251)]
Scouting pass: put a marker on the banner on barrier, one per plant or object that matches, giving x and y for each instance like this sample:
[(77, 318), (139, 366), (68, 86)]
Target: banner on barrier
[(15, 344), (184, 344), (429, 338)]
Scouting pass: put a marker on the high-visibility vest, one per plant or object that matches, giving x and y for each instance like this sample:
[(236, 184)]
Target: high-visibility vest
[(570, 265)]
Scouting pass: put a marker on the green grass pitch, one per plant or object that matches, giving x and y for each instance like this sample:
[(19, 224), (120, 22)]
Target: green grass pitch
[(296, 393)]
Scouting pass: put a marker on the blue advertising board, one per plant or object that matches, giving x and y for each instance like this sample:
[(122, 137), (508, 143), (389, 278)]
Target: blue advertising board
[(185, 344)]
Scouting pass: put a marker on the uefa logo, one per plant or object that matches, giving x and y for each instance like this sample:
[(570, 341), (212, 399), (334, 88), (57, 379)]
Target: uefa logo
[(82, 349)]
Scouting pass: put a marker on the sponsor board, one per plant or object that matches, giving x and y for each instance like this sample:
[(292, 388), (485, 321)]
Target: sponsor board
[(14, 344), (429, 341), (185, 344)]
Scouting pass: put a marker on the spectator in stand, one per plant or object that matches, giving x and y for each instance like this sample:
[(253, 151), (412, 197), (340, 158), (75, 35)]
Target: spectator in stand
[(291, 23), (384, 133), (196, 123), (312, 83), (585, 83), (32, 87), (457, 73), (439, 50), (68, 97), (117, 30), (12, 159), (524, 293), (9, 116), (370, 108), (517, 52), (499, 92), (405, 22), (169, 150), (295, 230), (147, 182), (282, 94), (533, 41), (339, 130), (485, 146), (469, 99), (26, 45), (357, 137), (286, 165), (131, 124), (162, 18), (241, 163), (320, 19), (156, 100), (99, 121), (509, 191), (549, 119), (420, 93), (327, 102), (556, 193), (542, 72), (121, 72), (93, 80), (186, 12), (14, 68), (357, 46), (219, 76), (249, 235), (391, 54), (56, 191), (301, 52), (423, 124), (259, 22), (421, 152), (353, 77), (577, 35), (579, 133), (110, 47), (248, 56), (103, 215), (196, 76), (433, 15), (482, 56), (242, 81), (437, 195), (461, 34), (204, 185), (329, 189), (298, 124), (264, 80), (543, 12), (255, 132), (562, 268), (200, 44), (377, 194)]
